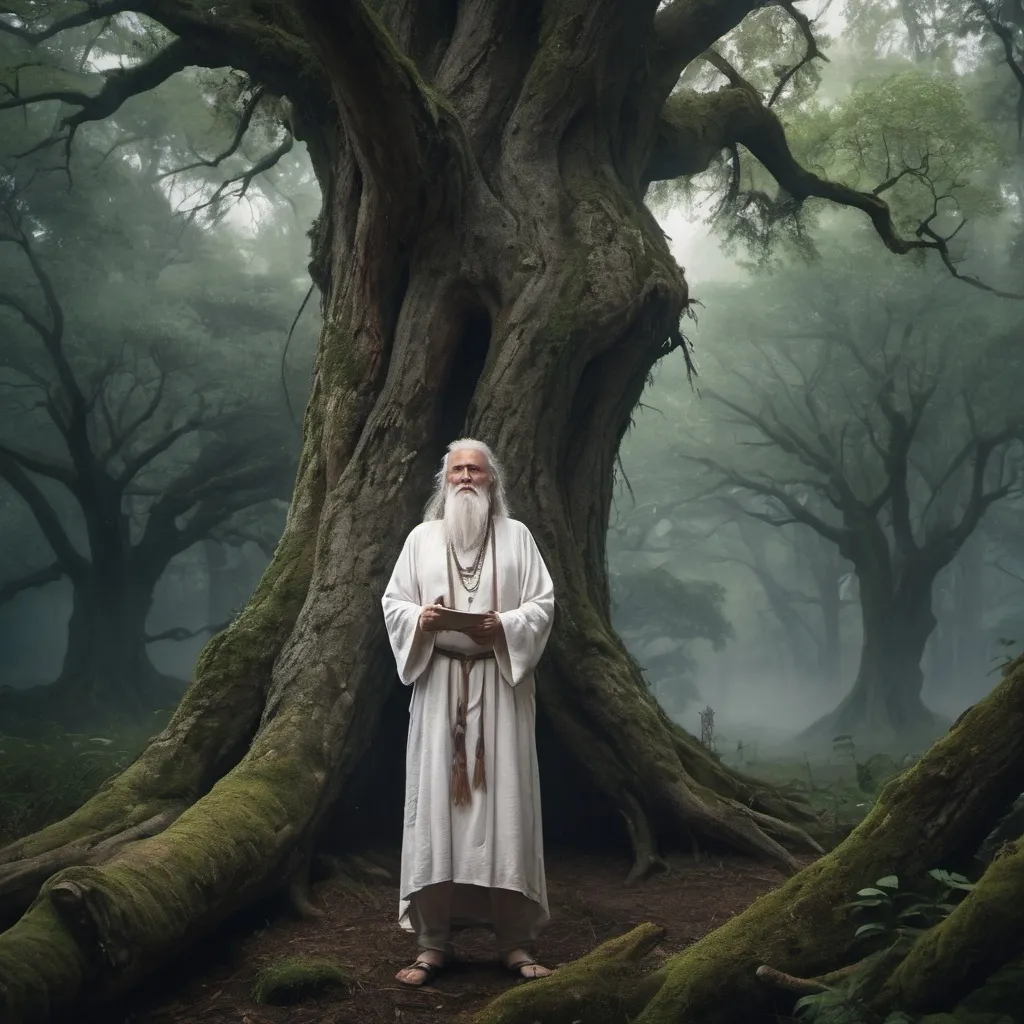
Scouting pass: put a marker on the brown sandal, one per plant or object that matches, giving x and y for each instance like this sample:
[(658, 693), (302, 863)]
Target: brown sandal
[(430, 972), (516, 967)]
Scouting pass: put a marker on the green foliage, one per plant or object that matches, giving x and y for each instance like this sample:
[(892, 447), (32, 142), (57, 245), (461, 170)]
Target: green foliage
[(297, 978), (46, 776), (915, 130), (894, 919)]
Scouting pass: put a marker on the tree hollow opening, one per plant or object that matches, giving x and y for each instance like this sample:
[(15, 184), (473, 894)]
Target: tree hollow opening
[(467, 366)]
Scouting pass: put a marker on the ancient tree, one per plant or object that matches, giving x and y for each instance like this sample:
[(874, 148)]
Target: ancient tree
[(149, 464), (486, 264)]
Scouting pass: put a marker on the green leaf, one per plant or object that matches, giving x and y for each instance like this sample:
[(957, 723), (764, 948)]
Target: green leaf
[(874, 928), (889, 882)]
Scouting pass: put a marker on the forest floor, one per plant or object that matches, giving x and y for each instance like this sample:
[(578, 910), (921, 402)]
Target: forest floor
[(359, 931)]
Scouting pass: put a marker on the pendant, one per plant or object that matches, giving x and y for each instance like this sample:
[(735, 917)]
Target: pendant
[(471, 596)]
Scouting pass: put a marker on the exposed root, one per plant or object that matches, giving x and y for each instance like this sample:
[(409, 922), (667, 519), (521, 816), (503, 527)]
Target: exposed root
[(604, 986), (783, 830), (20, 879), (300, 901), (788, 982), (646, 861), (732, 827)]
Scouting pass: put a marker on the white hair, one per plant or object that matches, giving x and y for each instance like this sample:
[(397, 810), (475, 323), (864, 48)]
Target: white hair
[(499, 504)]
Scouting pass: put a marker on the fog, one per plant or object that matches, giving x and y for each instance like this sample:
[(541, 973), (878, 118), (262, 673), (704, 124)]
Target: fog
[(737, 556)]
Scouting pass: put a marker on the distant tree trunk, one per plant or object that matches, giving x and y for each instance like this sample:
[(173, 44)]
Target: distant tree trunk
[(969, 657), (827, 570), (106, 667), (885, 705)]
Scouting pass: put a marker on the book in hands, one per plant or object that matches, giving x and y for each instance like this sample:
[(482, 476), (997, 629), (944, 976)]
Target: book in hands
[(452, 621)]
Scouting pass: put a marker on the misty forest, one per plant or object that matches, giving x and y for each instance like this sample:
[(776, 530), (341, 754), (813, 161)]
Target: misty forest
[(735, 290)]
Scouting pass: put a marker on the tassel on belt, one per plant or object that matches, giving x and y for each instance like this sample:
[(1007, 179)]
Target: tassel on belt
[(461, 794)]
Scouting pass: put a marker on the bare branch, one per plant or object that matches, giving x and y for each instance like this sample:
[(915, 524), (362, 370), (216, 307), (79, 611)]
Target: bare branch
[(39, 578), (120, 85), (37, 464), (245, 178), (181, 633), (797, 512), (94, 11), (1005, 35), (244, 121), (810, 53), (45, 516)]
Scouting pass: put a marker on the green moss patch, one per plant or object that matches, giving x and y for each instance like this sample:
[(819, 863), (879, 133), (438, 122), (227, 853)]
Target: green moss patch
[(297, 978)]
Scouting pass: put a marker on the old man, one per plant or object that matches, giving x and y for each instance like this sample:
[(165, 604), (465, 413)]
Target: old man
[(472, 850)]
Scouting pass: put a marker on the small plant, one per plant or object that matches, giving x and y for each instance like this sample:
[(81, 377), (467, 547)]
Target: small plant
[(297, 978), (903, 915), (897, 919)]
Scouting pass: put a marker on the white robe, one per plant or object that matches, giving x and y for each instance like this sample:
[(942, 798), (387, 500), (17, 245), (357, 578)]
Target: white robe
[(496, 841)]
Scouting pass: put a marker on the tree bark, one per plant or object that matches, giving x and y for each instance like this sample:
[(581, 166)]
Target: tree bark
[(798, 938)]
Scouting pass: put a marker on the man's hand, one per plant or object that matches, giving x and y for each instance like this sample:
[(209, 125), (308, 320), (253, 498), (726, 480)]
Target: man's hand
[(431, 614), (487, 632)]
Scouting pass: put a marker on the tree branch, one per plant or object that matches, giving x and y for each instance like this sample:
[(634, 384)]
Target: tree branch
[(695, 127), (798, 512), (391, 121), (94, 11), (45, 516), (1005, 35), (810, 53), (244, 121), (35, 464), (120, 85), (39, 578), (245, 178), (181, 633), (684, 29)]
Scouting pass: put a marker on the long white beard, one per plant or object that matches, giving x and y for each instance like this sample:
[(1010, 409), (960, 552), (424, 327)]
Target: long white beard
[(465, 518)]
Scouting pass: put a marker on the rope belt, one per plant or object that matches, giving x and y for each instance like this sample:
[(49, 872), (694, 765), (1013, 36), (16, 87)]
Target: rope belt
[(460, 791)]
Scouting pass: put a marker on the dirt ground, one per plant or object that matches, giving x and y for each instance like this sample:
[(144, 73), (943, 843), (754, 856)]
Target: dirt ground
[(589, 904)]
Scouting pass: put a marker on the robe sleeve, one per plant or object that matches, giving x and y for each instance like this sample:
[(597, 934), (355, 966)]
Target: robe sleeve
[(402, 606), (527, 627)]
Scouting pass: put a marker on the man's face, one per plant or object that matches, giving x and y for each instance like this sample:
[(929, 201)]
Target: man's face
[(467, 471)]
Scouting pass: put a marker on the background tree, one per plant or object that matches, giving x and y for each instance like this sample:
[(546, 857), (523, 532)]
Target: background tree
[(487, 265), (154, 460), (891, 443)]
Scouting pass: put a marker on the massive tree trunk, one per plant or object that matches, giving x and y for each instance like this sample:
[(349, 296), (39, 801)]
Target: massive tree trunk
[(799, 939), (487, 267)]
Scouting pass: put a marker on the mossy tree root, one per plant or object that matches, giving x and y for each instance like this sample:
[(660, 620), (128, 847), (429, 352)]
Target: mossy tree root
[(935, 813), (604, 987)]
